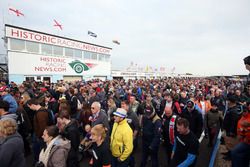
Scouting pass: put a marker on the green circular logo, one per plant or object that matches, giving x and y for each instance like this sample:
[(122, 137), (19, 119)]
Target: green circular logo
[(78, 68)]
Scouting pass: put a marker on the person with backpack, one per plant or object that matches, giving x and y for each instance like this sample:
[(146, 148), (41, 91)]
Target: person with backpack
[(40, 122)]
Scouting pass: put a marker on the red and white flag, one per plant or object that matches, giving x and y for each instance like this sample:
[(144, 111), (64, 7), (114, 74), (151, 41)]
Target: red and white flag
[(57, 24), (16, 11)]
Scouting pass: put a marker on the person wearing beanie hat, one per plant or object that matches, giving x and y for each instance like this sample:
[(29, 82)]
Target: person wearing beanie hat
[(149, 112), (151, 133), (191, 113), (121, 144)]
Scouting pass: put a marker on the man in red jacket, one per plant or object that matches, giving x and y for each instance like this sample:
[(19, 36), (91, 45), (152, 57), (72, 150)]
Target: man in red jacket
[(241, 152)]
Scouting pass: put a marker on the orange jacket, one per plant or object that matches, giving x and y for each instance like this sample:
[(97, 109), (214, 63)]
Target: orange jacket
[(243, 128), (207, 105)]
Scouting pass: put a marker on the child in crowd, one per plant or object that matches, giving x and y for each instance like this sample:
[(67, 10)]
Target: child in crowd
[(86, 141)]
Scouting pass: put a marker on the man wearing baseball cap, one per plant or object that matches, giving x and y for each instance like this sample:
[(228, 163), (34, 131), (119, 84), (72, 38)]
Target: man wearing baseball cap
[(121, 139)]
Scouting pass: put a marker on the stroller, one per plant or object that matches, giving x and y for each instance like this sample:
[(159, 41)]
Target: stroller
[(84, 149)]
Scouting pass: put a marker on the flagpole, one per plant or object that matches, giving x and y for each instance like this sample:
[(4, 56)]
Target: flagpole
[(3, 17)]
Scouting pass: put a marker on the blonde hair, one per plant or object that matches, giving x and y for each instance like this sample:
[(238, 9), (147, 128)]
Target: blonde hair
[(99, 130), (8, 127), (26, 97), (112, 103)]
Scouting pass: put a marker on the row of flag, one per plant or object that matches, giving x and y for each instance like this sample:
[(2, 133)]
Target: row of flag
[(18, 13), (135, 67)]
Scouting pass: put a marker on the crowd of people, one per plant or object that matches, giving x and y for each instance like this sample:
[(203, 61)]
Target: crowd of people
[(106, 119)]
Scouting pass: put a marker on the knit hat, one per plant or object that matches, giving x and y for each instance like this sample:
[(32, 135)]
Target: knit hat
[(190, 103), (149, 111)]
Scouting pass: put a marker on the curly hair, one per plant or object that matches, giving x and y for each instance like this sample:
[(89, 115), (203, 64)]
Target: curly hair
[(8, 127)]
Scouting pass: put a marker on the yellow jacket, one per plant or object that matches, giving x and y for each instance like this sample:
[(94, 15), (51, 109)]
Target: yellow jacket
[(121, 144)]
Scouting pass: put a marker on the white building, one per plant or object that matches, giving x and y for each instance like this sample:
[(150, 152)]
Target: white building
[(39, 56)]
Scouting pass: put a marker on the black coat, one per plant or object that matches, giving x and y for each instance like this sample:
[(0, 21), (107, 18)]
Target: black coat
[(231, 120), (71, 133), (195, 121), (151, 130), (12, 151)]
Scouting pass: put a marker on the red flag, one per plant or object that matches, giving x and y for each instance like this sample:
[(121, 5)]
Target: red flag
[(57, 24), (17, 12)]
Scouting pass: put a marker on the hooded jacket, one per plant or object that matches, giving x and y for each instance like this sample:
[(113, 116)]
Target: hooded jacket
[(59, 153), (8, 116), (13, 104), (151, 131), (195, 119)]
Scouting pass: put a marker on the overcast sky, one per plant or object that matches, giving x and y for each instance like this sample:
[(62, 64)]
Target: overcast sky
[(207, 37)]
